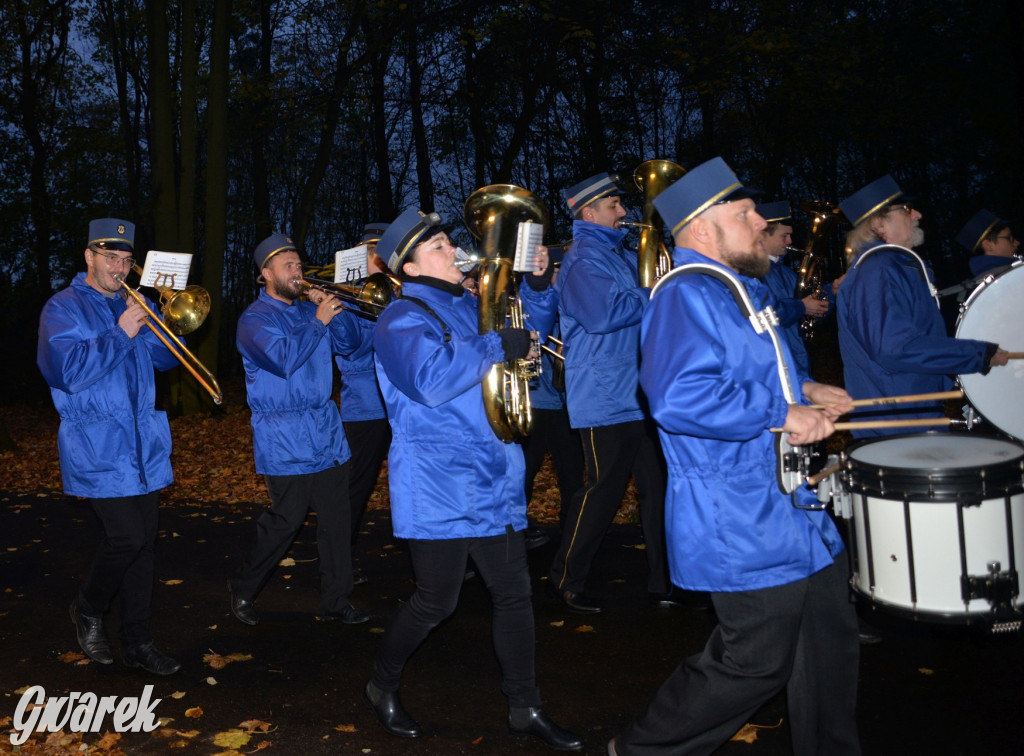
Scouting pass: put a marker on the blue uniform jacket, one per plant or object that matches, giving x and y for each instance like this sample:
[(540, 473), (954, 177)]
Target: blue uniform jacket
[(893, 340), (360, 394), (714, 391), (600, 309), (543, 394), (985, 263), (781, 282), (449, 476), (112, 442), (286, 353)]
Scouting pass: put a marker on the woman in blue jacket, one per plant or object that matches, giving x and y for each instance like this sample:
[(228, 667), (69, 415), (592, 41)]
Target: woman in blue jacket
[(456, 489)]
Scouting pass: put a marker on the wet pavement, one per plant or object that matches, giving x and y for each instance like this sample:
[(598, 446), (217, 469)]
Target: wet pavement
[(924, 688)]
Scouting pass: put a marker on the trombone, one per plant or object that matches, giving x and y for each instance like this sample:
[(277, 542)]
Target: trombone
[(184, 311), (376, 292)]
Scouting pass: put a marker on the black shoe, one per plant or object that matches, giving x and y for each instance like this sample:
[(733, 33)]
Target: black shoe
[(680, 599), (535, 538), (533, 722), (866, 633), (151, 660), (242, 608), (390, 713), (91, 636), (348, 615), (577, 602), (359, 577)]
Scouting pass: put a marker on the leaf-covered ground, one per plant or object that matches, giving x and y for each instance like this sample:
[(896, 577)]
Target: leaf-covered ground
[(212, 461)]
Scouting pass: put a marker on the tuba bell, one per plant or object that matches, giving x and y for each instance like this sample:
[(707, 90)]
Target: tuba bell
[(652, 177), (811, 272), (493, 214)]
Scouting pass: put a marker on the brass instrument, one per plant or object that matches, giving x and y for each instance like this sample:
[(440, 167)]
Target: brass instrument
[(653, 258), (815, 258), (370, 298), (493, 214), (184, 311)]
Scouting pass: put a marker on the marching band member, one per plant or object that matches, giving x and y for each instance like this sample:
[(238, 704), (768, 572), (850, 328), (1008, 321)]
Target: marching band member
[(781, 281), (990, 237), (115, 448), (456, 489), (891, 334), (776, 577), (362, 408), (299, 443), (601, 304)]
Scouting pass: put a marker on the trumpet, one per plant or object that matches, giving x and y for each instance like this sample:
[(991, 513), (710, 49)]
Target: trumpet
[(369, 299), (184, 312)]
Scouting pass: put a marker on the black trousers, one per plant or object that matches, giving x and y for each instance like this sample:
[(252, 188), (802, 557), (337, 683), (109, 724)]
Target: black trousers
[(369, 441), (440, 567), (291, 497), (552, 433), (801, 637), (124, 564), (612, 454)]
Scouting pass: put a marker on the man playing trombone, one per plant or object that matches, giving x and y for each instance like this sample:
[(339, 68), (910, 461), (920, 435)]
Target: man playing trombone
[(298, 438), (115, 447)]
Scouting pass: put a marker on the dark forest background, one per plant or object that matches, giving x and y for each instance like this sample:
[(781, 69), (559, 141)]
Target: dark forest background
[(213, 123)]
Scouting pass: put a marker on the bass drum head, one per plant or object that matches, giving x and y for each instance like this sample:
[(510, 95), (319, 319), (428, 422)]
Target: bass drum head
[(995, 312)]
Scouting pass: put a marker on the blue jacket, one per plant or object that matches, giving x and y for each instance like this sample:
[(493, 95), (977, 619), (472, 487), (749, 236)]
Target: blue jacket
[(543, 394), (714, 391), (360, 394), (781, 282), (286, 353), (112, 442), (893, 340), (600, 311), (985, 263), (449, 476)]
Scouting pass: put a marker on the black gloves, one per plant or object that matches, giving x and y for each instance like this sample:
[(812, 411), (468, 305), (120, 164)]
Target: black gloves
[(516, 342)]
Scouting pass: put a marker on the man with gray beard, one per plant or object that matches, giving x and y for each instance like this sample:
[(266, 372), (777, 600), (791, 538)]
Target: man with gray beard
[(891, 333)]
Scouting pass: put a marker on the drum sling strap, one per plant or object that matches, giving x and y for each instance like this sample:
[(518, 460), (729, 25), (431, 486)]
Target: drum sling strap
[(907, 251), (428, 308), (792, 461)]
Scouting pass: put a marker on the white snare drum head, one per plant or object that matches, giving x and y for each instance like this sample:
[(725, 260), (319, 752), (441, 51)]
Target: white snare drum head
[(942, 451), (995, 312)]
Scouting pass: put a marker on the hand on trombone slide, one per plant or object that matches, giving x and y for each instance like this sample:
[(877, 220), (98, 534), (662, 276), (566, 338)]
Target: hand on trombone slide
[(327, 305)]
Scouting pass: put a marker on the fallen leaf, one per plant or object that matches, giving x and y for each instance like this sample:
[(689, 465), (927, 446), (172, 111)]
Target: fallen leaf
[(178, 694), (346, 728), (187, 734), (233, 738), (172, 582), (219, 662), (260, 746), (748, 732), (210, 680), (108, 741), (585, 629), (69, 657), (558, 623), (478, 741), (286, 562), (926, 671), (256, 724), (194, 713)]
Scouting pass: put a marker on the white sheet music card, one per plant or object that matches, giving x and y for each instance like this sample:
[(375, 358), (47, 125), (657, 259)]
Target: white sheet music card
[(166, 270), (531, 235), (350, 264)]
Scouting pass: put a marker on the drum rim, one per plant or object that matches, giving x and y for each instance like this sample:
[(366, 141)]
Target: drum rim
[(1003, 478)]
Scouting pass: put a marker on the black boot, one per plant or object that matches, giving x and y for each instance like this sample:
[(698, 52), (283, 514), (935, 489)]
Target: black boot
[(533, 722), (91, 636), (390, 712), (146, 656)]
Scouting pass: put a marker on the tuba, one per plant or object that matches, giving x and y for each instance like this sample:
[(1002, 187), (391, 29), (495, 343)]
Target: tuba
[(653, 259), (493, 215), (815, 258)]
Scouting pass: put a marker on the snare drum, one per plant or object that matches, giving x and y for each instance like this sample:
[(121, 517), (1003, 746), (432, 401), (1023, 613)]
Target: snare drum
[(995, 312), (938, 524)]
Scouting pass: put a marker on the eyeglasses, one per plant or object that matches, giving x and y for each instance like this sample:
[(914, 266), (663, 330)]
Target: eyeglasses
[(906, 207), (113, 259), (1008, 237)]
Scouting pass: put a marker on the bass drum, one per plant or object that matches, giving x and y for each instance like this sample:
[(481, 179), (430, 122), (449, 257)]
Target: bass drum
[(938, 527), (995, 312)]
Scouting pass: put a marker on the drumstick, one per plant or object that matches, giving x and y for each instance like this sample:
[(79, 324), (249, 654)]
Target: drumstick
[(868, 424), (881, 400), (816, 479), (1014, 355)]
